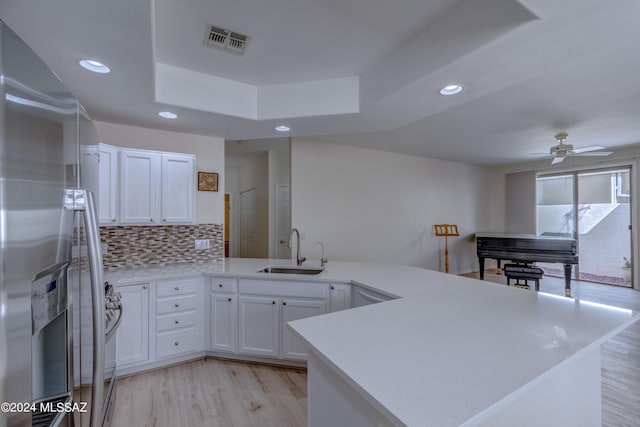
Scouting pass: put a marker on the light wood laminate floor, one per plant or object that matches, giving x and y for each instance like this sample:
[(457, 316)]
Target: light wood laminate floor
[(215, 392), (211, 392)]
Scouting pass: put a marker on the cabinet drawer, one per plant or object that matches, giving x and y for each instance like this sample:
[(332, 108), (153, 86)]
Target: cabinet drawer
[(172, 343), (223, 284), (283, 288), (177, 287), (176, 304), (175, 320)]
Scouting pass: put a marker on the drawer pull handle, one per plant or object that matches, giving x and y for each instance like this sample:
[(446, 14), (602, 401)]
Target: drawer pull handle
[(177, 305), (177, 321), (229, 299), (273, 302), (144, 286), (332, 288), (220, 285), (177, 288), (176, 343), (284, 303)]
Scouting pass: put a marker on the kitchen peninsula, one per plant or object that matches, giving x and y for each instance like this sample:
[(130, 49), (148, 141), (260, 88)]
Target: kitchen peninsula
[(447, 351)]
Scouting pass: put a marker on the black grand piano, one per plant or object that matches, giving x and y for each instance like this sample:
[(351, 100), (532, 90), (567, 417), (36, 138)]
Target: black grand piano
[(528, 248)]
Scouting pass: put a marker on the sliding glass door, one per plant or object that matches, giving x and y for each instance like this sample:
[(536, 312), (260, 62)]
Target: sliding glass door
[(595, 208)]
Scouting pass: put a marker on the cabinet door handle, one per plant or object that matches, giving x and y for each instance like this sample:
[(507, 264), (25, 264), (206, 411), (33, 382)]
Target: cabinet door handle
[(177, 321), (177, 305), (284, 303), (220, 285), (151, 220), (332, 288), (273, 302), (144, 286), (113, 220), (177, 288), (229, 299), (176, 343)]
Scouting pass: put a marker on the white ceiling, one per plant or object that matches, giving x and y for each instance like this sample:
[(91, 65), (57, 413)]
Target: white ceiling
[(360, 72)]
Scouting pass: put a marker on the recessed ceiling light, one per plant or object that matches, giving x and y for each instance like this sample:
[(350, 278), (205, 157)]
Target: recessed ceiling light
[(95, 66), (451, 89), (168, 115), (283, 128)]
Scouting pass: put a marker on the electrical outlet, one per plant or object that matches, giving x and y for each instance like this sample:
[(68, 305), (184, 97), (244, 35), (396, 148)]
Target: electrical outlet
[(203, 244)]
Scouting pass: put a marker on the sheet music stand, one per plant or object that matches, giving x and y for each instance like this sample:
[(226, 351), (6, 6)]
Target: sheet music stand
[(446, 230)]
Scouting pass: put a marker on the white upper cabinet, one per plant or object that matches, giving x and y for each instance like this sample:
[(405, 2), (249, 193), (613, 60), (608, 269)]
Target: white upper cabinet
[(139, 178), (177, 192), (156, 188), (108, 184)]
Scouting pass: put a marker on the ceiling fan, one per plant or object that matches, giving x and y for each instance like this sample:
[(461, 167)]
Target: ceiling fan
[(562, 151)]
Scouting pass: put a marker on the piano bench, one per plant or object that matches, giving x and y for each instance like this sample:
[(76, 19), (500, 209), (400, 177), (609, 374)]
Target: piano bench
[(523, 272)]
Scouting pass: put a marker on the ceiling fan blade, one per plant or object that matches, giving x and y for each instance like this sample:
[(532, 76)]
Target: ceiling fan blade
[(540, 154), (557, 160), (589, 148), (598, 153)]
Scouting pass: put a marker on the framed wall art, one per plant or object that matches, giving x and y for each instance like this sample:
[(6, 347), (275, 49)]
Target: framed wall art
[(207, 181)]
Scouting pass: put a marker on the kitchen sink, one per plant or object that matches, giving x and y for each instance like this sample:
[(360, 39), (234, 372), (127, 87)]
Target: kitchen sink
[(292, 270)]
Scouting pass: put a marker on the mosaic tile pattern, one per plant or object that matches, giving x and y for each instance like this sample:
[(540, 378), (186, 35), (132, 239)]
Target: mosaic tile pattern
[(135, 246)]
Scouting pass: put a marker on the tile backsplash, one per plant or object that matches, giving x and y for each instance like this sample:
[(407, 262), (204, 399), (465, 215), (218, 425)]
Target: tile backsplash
[(136, 246)]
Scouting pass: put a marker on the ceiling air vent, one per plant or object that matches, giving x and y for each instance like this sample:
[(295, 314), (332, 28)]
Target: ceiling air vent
[(221, 38)]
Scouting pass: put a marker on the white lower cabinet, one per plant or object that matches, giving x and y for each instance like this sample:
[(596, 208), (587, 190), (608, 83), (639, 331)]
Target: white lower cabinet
[(258, 325), (339, 297), (294, 347), (223, 328), (362, 296), (179, 308), (167, 320), (262, 319), (132, 336)]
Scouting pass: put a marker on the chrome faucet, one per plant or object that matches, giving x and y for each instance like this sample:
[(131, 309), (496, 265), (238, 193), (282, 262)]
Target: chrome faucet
[(323, 260), (299, 259)]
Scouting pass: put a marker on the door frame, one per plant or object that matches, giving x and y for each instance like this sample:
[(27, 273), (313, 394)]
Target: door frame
[(277, 205), (634, 183)]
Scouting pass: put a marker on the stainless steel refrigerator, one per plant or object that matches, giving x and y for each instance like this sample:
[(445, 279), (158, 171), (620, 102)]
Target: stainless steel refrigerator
[(52, 297)]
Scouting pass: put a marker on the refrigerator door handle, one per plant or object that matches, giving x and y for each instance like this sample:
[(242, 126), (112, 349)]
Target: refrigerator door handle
[(82, 200)]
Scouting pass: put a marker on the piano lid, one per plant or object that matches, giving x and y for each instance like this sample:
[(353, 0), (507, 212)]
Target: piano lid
[(519, 236)]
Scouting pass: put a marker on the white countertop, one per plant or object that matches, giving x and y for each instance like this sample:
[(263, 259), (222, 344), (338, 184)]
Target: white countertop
[(450, 350)]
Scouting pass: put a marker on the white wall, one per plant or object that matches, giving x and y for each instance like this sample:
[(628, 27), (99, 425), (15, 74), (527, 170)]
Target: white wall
[(209, 152), (521, 206), (369, 205)]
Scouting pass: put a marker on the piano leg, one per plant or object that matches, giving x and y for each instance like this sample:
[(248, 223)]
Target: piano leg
[(567, 280), (481, 263)]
